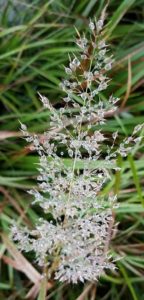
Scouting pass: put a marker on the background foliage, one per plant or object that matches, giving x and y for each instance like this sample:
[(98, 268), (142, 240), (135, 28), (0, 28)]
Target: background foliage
[(35, 39)]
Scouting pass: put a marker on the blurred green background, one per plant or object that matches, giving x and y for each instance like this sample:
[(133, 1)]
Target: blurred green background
[(35, 39)]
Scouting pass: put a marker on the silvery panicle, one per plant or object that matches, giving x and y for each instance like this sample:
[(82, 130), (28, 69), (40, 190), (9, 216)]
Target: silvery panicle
[(73, 240)]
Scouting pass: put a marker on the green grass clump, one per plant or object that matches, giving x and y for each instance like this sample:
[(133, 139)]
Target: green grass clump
[(36, 37)]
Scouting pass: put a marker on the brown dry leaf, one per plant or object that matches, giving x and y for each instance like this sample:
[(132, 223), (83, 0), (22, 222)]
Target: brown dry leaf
[(7, 134), (11, 262), (85, 292), (15, 204), (20, 261), (33, 292)]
